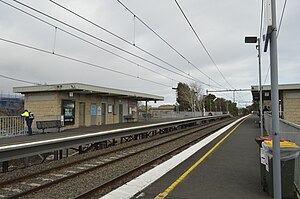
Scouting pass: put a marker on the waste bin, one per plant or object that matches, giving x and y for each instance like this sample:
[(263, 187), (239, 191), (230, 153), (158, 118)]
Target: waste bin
[(289, 151), (259, 140)]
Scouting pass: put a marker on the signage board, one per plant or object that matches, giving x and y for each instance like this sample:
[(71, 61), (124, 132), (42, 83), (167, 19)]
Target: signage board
[(68, 111)]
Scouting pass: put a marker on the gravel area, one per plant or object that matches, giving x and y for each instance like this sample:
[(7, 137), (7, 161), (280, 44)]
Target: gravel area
[(75, 186)]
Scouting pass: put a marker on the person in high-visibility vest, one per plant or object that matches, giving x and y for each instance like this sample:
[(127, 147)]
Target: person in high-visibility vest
[(28, 118)]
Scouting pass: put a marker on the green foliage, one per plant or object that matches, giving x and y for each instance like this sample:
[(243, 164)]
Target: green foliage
[(191, 96), (183, 95)]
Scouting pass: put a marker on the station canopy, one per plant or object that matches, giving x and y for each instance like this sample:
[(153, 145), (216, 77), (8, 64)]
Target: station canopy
[(86, 89), (266, 90)]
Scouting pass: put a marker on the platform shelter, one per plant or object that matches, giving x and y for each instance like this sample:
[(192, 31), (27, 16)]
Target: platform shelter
[(78, 104), (289, 100)]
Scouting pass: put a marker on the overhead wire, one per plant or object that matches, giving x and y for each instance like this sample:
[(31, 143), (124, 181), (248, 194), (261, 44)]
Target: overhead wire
[(278, 31), (95, 45), (18, 80), (128, 42), (167, 43), (78, 61), (202, 44), (107, 43)]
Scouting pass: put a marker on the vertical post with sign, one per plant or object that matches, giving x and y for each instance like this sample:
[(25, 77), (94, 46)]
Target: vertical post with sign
[(271, 34)]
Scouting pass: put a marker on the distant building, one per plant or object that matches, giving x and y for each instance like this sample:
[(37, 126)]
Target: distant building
[(162, 111), (82, 104), (289, 100)]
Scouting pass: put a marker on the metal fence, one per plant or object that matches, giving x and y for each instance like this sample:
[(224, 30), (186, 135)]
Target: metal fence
[(11, 126), (288, 131), (182, 114)]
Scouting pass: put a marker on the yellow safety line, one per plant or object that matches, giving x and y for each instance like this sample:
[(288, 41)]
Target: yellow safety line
[(187, 172)]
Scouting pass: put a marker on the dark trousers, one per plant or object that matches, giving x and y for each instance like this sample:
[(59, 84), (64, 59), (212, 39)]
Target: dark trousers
[(29, 123)]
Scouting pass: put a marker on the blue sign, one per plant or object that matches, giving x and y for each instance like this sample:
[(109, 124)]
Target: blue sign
[(93, 110)]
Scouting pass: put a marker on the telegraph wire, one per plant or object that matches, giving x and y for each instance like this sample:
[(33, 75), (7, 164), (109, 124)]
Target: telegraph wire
[(84, 40), (110, 44), (279, 28), (104, 29), (202, 44), (18, 80), (281, 18), (94, 37), (79, 61), (167, 43), (134, 43)]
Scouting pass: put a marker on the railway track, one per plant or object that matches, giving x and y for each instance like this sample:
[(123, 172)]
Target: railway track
[(29, 185)]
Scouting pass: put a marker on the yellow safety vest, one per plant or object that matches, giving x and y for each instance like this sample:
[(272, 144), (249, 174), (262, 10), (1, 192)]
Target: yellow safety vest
[(25, 114)]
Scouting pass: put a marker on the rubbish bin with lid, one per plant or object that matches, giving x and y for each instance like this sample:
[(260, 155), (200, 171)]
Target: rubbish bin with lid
[(289, 151), (262, 158)]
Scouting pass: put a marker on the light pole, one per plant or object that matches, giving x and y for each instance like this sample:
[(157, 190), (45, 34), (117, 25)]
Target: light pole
[(275, 105), (257, 40)]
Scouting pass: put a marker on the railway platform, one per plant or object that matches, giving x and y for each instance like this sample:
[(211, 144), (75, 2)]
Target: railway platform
[(227, 167), (76, 131)]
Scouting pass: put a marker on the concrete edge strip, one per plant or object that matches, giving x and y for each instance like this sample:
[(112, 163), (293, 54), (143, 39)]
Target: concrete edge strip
[(136, 185), (73, 137), (166, 192)]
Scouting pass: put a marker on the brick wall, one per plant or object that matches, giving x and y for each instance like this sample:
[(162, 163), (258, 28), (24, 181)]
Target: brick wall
[(47, 106), (44, 106), (291, 100)]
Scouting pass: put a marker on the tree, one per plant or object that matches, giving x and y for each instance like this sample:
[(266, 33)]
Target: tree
[(189, 97), (209, 102), (233, 110), (197, 95), (183, 96)]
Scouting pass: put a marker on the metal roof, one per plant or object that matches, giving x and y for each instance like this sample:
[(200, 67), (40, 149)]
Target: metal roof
[(87, 89), (266, 90), (280, 87)]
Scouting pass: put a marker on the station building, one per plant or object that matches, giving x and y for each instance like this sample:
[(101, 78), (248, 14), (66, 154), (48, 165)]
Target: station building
[(79, 105), (289, 100)]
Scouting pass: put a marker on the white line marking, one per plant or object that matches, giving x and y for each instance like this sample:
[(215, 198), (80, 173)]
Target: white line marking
[(136, 185), (13, 190), (58, 175), (70, 171), (90, 165), (81, 168), (31, 184)]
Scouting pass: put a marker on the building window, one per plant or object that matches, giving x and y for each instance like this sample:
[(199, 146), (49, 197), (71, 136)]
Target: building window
[(110, 108)]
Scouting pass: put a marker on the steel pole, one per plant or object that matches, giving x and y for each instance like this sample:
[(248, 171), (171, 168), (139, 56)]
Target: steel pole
[(275, 106), (260, 91)]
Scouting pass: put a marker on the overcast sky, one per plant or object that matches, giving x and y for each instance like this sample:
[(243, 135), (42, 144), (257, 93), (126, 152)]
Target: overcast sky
[(221, 26)]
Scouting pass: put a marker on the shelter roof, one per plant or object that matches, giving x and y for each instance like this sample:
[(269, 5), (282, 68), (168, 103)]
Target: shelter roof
[(87, 89)]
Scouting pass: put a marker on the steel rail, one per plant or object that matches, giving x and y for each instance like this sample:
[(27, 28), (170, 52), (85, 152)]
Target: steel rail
[(103, 154), (92, 192), (192, 131)]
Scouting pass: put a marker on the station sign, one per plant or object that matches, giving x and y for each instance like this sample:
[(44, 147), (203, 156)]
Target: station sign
[(68, 111)]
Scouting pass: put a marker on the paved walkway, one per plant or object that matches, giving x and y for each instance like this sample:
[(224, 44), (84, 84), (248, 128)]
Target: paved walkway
[(231, 171)]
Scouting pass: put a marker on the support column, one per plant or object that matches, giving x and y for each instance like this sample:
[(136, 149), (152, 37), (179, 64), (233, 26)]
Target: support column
[(275, 106)]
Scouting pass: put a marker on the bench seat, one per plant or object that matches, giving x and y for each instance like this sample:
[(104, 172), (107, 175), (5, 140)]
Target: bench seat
[(48, 124)]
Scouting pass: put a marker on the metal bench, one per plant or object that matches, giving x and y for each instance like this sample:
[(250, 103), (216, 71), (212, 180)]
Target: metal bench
[(129, 118), (48, 124)]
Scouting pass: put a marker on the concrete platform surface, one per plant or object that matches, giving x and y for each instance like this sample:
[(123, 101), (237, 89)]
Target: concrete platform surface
[(231, 171)]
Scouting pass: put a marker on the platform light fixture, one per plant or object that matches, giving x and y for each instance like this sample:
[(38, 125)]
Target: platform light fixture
[(254, 39), (251, 39)]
